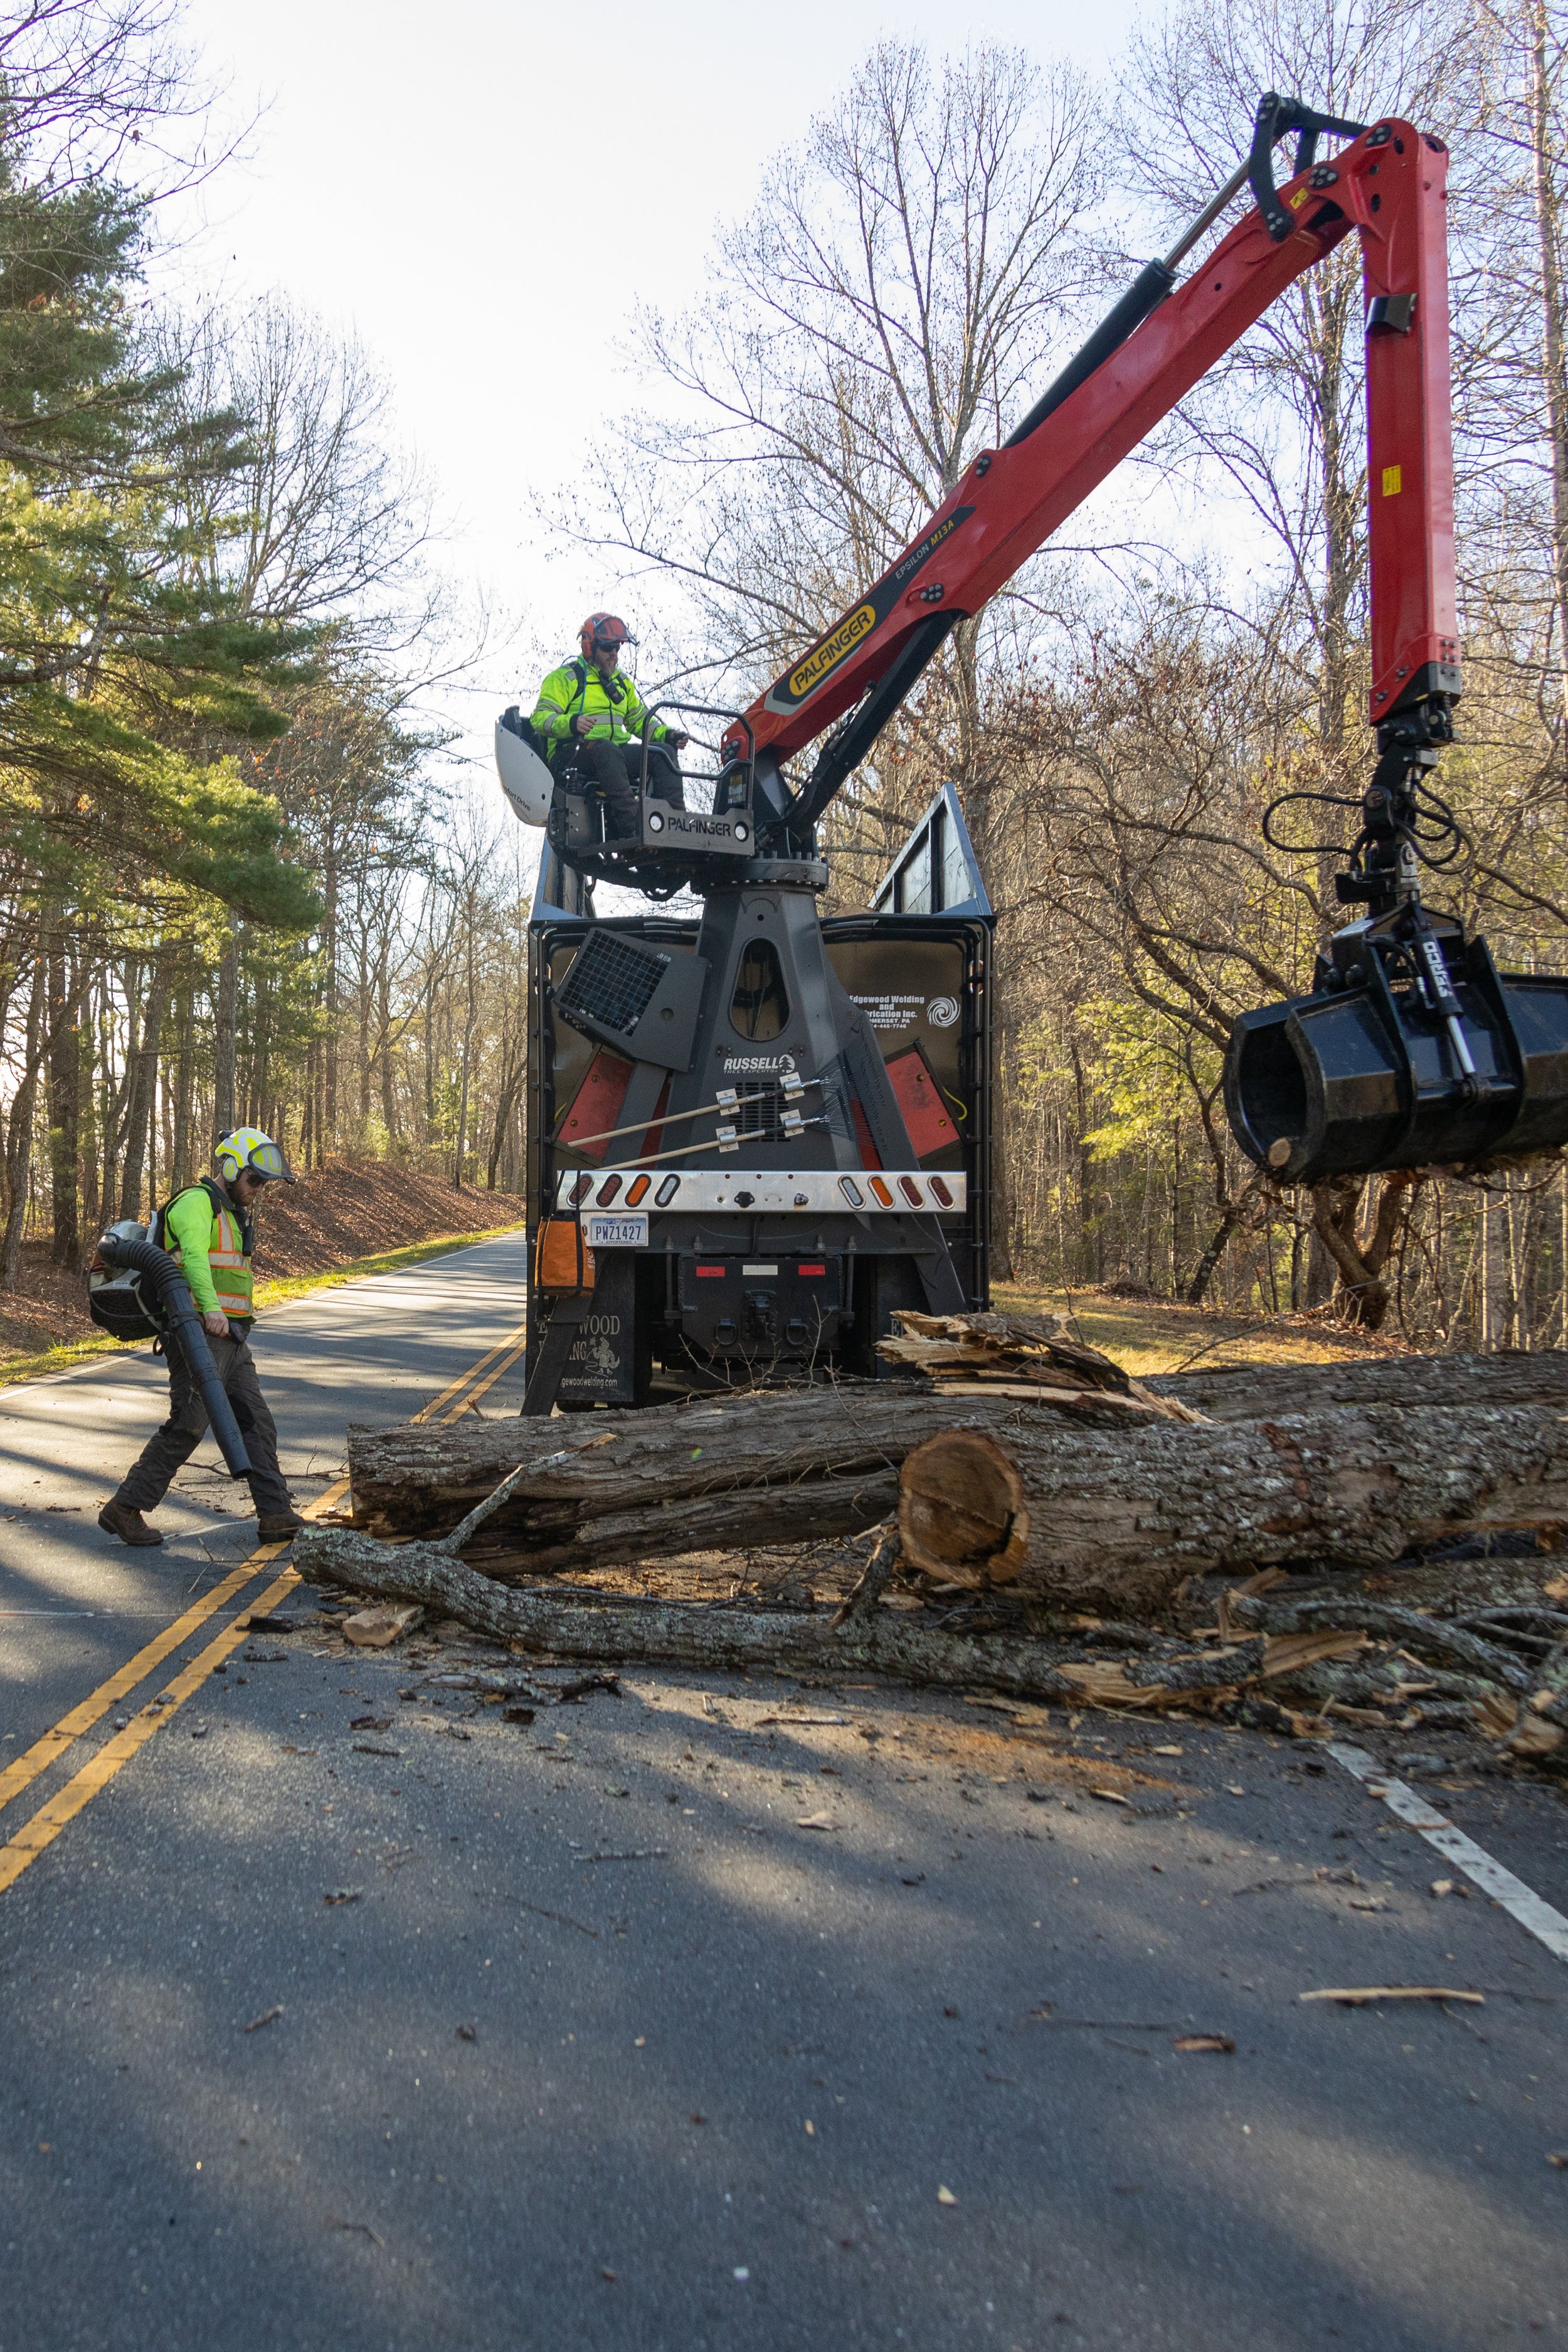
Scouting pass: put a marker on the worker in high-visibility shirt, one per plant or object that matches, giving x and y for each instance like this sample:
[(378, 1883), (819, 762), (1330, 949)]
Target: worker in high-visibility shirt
[(591, 705), (207, 1230)]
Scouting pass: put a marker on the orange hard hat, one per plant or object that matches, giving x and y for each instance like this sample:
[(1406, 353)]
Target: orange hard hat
[(603, 629)]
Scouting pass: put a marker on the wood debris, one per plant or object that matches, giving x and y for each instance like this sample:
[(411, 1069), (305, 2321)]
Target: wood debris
[(1356, 1996), (965, 1527), (377, 1629), (1023, 1356)]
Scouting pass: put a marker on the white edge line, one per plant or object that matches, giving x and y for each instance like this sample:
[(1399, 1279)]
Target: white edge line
[(1532, 1913)]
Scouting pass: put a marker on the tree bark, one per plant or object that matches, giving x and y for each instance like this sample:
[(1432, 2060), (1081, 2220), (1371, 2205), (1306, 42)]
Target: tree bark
[(818, 1447), (1231, 1214), (144, 1088), (1361, 1260), (1255, 1392), (65, 1058), (1554, 319), (19, 1135), (508, 1087), (712, 1636), (1116, 1522), (1100, 1517), (226, 1009), (181, 1166)]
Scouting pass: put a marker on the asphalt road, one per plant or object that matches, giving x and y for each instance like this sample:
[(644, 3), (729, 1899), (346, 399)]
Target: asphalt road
[(720, 2013)]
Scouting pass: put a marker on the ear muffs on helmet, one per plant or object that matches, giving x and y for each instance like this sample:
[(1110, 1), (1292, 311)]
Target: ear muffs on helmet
[(601, 629), (248, 1148)]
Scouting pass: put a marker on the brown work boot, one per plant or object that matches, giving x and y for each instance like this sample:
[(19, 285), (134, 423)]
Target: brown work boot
[(118, 1519), (276, 1527)]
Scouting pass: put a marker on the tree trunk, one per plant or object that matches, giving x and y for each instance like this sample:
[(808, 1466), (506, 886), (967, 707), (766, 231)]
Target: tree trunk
[(1361, 1259), (181, 1169), (226, 1009), (1230, 1217), (387, 1065), (509, 1086), (1067, 1511), (64, 1103), (421, 1478), (144, 1088), (331, 1039), (467, 1054), (1545, 152), (19, 1135), (1092, 1520), (1257, 1391), (715, 1638)]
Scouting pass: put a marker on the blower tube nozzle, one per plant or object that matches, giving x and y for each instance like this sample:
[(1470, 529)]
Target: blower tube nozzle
[(179, 1309)]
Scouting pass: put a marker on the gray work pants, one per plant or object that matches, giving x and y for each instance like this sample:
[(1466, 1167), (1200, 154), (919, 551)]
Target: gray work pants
[(614, 771), (146, 1485)]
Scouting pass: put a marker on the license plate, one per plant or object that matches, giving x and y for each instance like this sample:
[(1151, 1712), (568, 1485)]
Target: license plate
[(618, 1232)]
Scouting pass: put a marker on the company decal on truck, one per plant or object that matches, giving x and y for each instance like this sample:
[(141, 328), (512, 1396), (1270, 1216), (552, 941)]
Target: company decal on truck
[(889, 1009), (830, 653)]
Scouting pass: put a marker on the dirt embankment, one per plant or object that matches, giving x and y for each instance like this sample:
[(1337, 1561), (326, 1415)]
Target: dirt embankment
[(358, 1208), (350, 1209)]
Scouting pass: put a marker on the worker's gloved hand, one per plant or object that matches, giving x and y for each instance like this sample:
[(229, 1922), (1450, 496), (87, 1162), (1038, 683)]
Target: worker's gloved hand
[(583, 724), (675, 742), (214, 1325)]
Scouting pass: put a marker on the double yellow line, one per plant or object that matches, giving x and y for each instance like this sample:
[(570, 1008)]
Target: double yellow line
[(46, 1824)]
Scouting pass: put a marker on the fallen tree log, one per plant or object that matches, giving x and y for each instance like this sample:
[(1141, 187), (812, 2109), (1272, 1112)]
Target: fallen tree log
[(419, 1478), (1094, 1521), (1258, 1391), (715, 1637), (725, 1638), (1064, 1513)]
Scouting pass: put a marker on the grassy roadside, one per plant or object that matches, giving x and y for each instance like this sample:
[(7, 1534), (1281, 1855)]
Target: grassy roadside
[(14, 1369), (1155, 1335)]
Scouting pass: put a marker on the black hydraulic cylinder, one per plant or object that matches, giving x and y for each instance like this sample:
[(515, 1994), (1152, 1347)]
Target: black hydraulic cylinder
[(844, 751), (1153, 283), (180, 1311)]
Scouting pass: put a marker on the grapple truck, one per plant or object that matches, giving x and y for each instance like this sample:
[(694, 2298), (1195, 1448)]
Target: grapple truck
[(754, 1134)]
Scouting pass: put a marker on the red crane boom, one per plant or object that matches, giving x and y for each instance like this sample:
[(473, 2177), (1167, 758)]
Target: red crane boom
[(1389, 186), (1412, 1048)]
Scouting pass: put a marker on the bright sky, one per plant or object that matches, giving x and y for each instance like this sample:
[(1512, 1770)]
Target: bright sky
[(482, 191)]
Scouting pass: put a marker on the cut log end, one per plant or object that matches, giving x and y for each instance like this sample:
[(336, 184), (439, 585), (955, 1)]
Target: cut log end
[(963, 1516)]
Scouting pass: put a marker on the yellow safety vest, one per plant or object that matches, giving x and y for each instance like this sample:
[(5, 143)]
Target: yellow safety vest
[(226, 1256)]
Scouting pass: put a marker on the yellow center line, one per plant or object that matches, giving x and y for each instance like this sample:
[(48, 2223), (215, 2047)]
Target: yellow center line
[(516, 1340), (24, 1770), (475, 1394), (65, 1803), (46, 1823)]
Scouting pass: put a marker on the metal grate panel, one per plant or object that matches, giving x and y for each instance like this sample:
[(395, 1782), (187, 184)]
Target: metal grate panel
[(612, 981), (757, 1113)]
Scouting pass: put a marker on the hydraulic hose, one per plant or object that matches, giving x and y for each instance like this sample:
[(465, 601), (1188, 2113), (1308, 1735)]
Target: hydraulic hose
[(179, 1309)]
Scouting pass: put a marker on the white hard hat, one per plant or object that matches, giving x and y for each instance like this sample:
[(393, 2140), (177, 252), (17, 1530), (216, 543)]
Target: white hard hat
[(524, 778)]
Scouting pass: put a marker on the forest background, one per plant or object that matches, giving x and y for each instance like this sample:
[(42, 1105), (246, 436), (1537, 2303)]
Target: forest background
[(239, 879)]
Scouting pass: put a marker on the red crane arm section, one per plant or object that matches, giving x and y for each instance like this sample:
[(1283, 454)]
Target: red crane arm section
[(1390, 186)]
